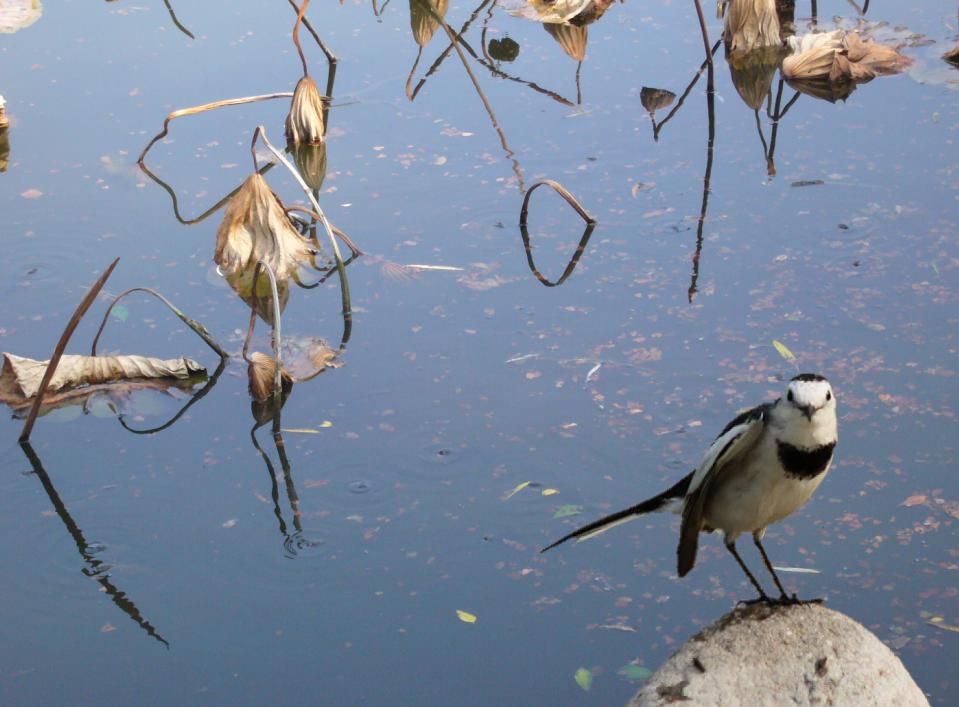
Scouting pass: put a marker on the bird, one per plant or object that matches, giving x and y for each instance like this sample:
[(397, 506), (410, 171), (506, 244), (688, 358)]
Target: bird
[(763, 466)]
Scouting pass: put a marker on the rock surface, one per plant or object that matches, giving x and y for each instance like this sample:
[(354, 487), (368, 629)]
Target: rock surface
[(782, 655)]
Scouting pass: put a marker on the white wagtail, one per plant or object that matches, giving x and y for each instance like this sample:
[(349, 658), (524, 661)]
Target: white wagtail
[(763, 466)]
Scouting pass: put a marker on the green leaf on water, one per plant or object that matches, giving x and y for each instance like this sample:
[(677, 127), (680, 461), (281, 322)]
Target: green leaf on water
[(120, 313), (568, 510), (583, 678), (631, 671), (784, 350)]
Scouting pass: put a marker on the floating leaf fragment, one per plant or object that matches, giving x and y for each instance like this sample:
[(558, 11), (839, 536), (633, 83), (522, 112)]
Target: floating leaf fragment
[(568, 510), (465, 616), (326, 423), (446, 268), (516, 490), (120, 313), (583, 678), (939, 622), (631, 671), (300, 430), (549, 492), (797, 570), (916, 500), (784, 350)]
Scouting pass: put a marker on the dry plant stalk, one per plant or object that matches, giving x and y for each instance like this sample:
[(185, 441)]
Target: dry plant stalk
[(304, 124), (751, 24), (21, 377), (840, 56), (194, 110), (563, 192), (62, 345), (572, 38), (255, 227)]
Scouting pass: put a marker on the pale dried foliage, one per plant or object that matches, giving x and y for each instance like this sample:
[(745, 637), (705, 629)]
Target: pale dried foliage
[(256, 227), (751, 24), (952, 56), (261, 370), (422, 20), (841, 56), (304, 124), (20, 377), (571, 38), (308, 356)]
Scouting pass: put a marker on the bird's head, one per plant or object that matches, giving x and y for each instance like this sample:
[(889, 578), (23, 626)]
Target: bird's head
[(809, 395)]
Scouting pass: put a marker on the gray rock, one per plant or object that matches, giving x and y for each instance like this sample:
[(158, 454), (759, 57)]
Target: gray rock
[(783, 655)]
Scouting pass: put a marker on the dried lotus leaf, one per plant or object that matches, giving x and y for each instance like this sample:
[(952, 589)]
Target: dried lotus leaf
[(256, 227), (571, 38), (21, 377)]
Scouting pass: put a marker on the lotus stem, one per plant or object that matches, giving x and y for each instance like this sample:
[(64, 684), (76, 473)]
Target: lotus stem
[(61, 345), (198, 328)]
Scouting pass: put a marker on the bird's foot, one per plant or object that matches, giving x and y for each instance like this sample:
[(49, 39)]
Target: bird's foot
[(786, 600), (761, 599)]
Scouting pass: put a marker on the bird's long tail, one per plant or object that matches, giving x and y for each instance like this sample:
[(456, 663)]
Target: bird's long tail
[(660, 502)]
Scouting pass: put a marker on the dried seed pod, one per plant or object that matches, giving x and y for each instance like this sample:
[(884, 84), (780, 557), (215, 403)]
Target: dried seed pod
[(751, 24), (304, 124), (571, 38), (653, 99), (256, 227)]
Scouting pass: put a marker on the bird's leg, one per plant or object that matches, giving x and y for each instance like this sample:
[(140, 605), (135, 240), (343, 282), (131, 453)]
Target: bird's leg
[(731, 546), (783, 597)]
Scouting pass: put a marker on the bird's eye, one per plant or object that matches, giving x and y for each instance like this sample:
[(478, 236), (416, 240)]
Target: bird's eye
[(789, 397), (828, 395)]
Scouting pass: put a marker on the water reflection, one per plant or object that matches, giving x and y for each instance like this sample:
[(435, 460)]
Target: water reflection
[(93, 567)]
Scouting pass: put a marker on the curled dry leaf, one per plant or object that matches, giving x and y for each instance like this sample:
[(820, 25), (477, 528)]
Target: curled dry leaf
[(571, 38), (304, 124), (261, 371), (18, 14), (256, 227), (20, 377), (840, 56), (751, 24), (555, 12), (423, 20)]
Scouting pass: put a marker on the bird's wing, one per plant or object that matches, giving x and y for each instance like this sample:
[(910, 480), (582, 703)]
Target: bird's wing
[(739, 437)]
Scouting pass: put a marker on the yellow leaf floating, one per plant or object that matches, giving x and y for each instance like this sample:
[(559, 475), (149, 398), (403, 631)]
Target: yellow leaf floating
[(939, 622), (583, 678), (326, 423), (465, 616), (784, 350), (516, 490), (299, 430), (549, 492)]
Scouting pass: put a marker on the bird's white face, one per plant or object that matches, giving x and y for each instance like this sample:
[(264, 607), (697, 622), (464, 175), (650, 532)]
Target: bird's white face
[(810, 400)]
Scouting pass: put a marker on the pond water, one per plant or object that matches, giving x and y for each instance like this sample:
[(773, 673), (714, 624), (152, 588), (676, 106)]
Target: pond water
[(204, 563)]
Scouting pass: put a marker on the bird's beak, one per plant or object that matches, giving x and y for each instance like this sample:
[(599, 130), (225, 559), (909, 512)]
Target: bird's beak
[(808, 411)]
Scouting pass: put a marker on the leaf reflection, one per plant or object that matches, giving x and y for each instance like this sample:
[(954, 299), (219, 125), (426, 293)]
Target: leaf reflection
[(93, 567)]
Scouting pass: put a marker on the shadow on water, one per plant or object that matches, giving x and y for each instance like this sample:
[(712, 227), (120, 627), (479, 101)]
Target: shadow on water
[(93, 567)]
